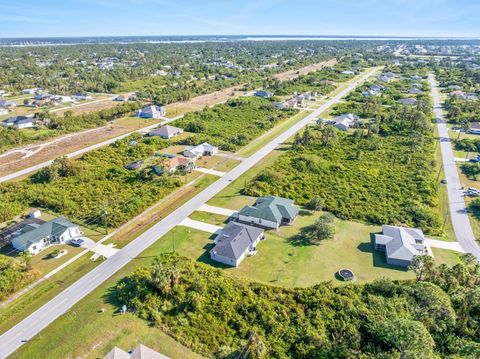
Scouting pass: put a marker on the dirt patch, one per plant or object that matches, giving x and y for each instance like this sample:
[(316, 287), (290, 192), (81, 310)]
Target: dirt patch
[(89, 107), (293, 74)]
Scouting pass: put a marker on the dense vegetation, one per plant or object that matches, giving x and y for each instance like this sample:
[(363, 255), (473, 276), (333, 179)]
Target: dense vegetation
[(224, 317), (84, 190), (381, 175), (14, 274), (233, 124)]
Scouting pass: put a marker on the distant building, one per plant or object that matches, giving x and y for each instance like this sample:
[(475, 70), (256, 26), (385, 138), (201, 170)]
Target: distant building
[(204, 149), (347, 72), (166, 132), (152, 111), (32, 91), (474, 128), (416, 78), (141, 352), (81, 97), (5, 103), (415, 91), (263, 94), (235, 242), (3, 111), (407, 101), (35, 238), (345, 121), (401, 244), (19, 122), (134, 165), (269, 212)]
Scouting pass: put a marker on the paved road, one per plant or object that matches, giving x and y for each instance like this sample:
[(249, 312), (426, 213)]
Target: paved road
[(82, 151), (458, 211), (33, 324)]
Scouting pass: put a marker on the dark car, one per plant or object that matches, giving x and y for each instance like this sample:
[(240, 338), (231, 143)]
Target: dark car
[(77, 242), (443, 181)]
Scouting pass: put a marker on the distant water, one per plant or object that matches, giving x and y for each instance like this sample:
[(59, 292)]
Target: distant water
[(38, 41)]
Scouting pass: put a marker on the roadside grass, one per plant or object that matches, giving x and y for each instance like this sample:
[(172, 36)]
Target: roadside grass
[(23, 306), (466, 183), (86, 332), (210, 218), (261, 141), (227, 165)]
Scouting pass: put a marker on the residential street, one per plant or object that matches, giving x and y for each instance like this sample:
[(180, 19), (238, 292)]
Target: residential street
[(49, 312), (458, 210)]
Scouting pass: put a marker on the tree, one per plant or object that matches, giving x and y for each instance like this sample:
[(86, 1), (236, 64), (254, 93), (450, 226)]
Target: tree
[(316, 204), (26, 258), (422, 266), (321, 230)]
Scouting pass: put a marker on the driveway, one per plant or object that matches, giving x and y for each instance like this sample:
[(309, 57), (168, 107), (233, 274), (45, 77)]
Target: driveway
[(453, 246), (99, 249), (458, 210), (217, 210), (201, 226)]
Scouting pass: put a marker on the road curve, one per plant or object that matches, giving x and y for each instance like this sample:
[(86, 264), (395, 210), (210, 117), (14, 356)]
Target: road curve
[(49, 312), (458, 210)]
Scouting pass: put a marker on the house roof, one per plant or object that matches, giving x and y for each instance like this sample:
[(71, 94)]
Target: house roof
[(140, 352), (271, 208), (56, 227), (475, 125), (117, 353), (153, 110), (16, 120), (234, 239), (407, 101), (202, 148), (165, 131), (143, 352), (401, 242)]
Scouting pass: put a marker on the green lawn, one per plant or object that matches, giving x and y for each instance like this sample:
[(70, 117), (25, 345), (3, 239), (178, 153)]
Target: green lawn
[(211, 218)]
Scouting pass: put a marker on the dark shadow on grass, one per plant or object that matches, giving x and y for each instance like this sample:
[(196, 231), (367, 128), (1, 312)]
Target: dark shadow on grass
[(205, 257), (378, 257)]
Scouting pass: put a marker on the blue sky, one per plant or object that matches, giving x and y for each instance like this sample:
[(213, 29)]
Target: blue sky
[(29, 18)]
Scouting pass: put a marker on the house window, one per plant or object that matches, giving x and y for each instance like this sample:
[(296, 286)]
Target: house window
[(34, 248)]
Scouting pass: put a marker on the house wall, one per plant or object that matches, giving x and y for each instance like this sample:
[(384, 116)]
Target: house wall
[(227, 261), (398, 262), (258, 221)]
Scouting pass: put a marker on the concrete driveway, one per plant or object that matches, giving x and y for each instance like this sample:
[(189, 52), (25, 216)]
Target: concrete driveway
[(202, 226), (99, 249)]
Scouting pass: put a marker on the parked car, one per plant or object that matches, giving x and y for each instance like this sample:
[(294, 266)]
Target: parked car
[(443, 181), (77, 242)]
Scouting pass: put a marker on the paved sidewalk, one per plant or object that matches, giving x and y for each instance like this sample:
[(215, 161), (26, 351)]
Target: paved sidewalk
[(217, 210), (453, 246), (202, 226)]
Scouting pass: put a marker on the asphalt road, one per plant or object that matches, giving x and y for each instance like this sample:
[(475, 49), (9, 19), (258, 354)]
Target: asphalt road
[(458, 211), (38, 320)]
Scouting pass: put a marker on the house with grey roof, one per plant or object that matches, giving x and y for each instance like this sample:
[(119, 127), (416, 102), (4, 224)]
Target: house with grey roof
[(415, 91), (269, 212), (34, 238), (19, 122), (140, 352), (166, 132), (7, 103), (235, 242), (263, 94), (204, 149), (407, 101), (401, 244), (152, 111)]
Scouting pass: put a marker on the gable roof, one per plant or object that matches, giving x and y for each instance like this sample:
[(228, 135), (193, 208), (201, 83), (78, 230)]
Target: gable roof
[(18, 120), (235, 239), (117, 353), (55, 228), (271, 208), (402, 243), (152, 110), (143, 352), (165, 131), (202, 148), (407, 101)]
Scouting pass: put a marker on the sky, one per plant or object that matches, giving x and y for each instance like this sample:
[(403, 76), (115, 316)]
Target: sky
[(49, 18)]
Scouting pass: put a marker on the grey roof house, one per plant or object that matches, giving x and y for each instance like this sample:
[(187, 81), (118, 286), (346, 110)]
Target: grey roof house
[(269, 212), (152, 111), (401, 244), (407, 101), (166, 132), (19, 122), (263, 94), (35, 238), (235, 242), (140, 352)]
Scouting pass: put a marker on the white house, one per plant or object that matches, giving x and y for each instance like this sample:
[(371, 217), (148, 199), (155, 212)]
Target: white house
[(204, 149), (3, 111), (81, 97), (235, 242), (345, 121), (34, 238), (166, 132), (269, 212), (19, 122), (152, 111)]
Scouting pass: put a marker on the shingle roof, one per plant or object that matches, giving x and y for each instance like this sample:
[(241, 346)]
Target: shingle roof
[(202, 148), (117, 353), (165, 131), (401, 242), (143, 352), (152, 110), (235, 239), (271, 208), (56, 227)]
